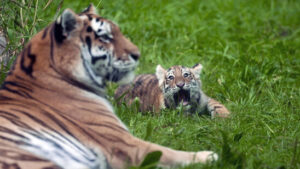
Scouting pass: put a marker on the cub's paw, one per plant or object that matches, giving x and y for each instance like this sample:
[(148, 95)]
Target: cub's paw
[(216, 109)]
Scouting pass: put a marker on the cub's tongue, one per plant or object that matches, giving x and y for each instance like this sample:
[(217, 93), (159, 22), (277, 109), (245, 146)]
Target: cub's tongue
[(185, 103), (183, 97)]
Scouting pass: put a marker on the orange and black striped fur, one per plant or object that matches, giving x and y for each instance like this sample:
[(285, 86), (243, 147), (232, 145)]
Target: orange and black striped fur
[(178, 86), (53, 107)]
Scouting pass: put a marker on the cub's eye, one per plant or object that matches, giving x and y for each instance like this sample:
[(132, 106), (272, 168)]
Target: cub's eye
[(170, 77), (186, 74)]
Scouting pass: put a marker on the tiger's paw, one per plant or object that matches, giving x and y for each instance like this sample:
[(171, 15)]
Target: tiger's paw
[(206, 156)]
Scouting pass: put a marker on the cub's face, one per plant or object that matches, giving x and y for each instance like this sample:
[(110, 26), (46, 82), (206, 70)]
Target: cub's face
[(180, 85), (104, 52)]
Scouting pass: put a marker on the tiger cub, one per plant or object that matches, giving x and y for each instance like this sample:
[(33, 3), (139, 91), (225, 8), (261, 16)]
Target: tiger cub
[(176, 87)]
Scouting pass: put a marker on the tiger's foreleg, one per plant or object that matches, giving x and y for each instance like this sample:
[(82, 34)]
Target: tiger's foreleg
[(169, 158)]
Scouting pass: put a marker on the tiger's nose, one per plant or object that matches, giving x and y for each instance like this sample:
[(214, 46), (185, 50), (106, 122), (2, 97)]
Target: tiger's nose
[(180, 84), (135, 55)]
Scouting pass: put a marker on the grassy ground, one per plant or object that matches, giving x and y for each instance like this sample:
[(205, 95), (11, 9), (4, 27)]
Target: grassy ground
[(250, 51)]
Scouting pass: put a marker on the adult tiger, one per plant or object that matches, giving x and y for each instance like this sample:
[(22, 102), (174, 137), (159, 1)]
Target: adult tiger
[(53, 111), (173, 88)]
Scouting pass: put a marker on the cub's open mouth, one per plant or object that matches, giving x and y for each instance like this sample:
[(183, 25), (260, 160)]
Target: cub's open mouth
[(182, 96)]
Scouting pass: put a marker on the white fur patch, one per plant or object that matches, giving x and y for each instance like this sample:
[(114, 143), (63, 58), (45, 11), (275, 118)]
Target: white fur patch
[(160, 74), (101, 28), (102, 58), (88, 67), (66, 152), (128, 64), (83, 73), (127, 78), (83, 17), (197, 70)]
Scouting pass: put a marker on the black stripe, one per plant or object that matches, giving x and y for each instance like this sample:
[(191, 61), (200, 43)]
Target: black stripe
[(89, 29), (28, 69), (195, 65), (18, 142), (151, 83), (52, 44), (109, 126), (4, 97), (142, 88), (95, 59), (17, 155), (50, 116), (13, 104), (16, 84), (55, 120), (88, 42), (14, 120), (34, 118), (5, 113), (18, 92), (89, 16), (97, 36), (88, 134), (52, 167), (11, 132), (45, 32), (69, 81), (58, 33), (66, 140), (6, 165), (113, 138)]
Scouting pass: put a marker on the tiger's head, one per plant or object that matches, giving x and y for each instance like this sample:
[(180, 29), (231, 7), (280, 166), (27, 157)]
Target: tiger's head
[(84, 49), (105, 52), (180, 86)]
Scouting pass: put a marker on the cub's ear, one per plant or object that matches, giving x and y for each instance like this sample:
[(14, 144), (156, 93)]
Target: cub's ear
[(90, 10), (160, 74), (196, 69), (65, 24)]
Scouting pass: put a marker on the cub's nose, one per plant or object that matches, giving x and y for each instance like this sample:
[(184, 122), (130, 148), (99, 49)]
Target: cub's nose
[(180, 84)]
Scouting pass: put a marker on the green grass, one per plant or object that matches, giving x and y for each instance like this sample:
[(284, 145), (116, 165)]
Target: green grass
[(250, 50)]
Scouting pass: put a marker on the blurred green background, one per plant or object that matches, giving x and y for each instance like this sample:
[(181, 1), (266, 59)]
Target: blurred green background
[(250, 51)]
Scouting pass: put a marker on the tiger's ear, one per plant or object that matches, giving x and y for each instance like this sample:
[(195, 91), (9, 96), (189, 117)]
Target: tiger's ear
[(160, 74), (65, 24), (91, 9), (196, 70)]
